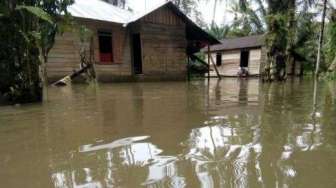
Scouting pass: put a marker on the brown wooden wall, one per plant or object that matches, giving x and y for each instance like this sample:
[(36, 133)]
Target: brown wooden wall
[(163, 16), (64, 57), (163, 40), (164, 43)]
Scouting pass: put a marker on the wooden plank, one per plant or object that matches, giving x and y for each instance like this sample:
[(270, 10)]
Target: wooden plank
[(215, 66)]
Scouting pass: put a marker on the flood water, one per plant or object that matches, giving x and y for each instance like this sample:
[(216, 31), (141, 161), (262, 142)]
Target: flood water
[(228, 133)]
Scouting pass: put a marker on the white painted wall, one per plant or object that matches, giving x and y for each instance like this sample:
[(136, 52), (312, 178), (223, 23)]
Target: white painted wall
[(231, 62)]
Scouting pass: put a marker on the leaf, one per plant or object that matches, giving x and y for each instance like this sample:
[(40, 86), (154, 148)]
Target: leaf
[(38, 12)]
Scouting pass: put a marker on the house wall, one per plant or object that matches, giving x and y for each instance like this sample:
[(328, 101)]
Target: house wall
[(163, 41), (121, 67), (163, 38), (254, 62), (64, 57), (231, 62)]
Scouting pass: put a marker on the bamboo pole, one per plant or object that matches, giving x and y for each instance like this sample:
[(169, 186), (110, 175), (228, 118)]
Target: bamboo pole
[(318, 62)]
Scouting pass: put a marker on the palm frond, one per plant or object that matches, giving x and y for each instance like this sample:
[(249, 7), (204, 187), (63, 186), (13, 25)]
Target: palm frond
[(37, 12)]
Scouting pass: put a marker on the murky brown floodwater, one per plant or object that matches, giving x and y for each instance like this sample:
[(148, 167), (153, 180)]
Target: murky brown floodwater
[(227, 134)]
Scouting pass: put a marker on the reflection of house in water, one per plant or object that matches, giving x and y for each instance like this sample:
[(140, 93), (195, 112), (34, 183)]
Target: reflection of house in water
[(174, 135), (119, 162), (137, 109), (232, 92)]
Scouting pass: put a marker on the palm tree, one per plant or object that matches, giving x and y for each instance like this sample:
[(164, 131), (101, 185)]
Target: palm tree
[(248, 20), (220, 32)]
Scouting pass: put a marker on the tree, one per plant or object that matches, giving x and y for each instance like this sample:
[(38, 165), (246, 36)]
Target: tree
[(189, 7), (331, 43), (220, 32), (23, 26), (247, 20)]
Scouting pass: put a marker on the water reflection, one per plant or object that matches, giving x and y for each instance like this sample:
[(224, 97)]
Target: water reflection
[(228, 133)]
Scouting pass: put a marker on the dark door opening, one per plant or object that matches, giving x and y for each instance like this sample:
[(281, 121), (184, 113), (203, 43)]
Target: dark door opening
[(137, 57), (218, 59), (244, 58)]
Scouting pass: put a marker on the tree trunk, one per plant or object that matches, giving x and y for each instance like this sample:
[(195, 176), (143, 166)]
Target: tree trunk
[(291, 36), (276, 42)]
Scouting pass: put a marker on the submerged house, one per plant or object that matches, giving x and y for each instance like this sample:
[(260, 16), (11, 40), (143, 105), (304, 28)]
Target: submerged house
[(236, 55), (154, 45)]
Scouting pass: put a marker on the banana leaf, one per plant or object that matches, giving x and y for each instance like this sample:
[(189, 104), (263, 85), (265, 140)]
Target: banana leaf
[(36, 11)]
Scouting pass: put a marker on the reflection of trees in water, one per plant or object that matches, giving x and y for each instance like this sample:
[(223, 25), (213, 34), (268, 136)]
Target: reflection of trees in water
[(269, 147), (221, 156), (283, 134), (116, 165)]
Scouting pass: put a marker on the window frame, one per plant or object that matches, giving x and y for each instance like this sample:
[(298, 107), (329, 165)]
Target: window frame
[(104, 33)]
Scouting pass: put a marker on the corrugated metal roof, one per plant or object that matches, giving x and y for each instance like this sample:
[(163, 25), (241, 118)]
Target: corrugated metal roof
[(99, 10), (238, 43)]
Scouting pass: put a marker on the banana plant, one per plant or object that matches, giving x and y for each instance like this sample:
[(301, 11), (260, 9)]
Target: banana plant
[(25, 26)]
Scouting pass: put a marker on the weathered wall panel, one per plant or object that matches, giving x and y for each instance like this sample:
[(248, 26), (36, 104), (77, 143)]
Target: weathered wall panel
[(231, 62), (254, 62), (64, 57), (163, 41), (164, 45)]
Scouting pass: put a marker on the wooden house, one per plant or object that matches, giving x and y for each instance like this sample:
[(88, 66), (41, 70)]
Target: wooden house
[(235, 55), (153, 45)]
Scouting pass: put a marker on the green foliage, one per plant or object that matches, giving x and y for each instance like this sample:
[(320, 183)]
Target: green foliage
[(305, 41), (37, 12), (330, 52), (220, 32), (248, 20), (276, 34), (189, 7), (27, 28)]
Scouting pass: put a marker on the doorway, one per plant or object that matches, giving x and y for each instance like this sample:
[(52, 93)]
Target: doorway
[(218, 59), (244, 58), (137, 57)]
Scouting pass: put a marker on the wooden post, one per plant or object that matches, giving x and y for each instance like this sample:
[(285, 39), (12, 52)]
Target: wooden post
[(208, 61), (214, 64), (188, 68)]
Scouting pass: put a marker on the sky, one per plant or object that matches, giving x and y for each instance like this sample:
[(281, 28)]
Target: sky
[(205, 8)]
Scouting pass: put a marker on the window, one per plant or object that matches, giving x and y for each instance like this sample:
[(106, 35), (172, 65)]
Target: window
[(105, 47), (218, 59)]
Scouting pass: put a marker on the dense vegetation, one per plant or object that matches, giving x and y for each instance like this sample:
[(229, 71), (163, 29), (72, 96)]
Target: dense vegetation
[(27, 32)]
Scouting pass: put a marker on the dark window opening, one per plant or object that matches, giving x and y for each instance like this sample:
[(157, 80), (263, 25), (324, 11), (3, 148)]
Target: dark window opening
[(105, 47), (244, 58), (218, 59), (137, 54)]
